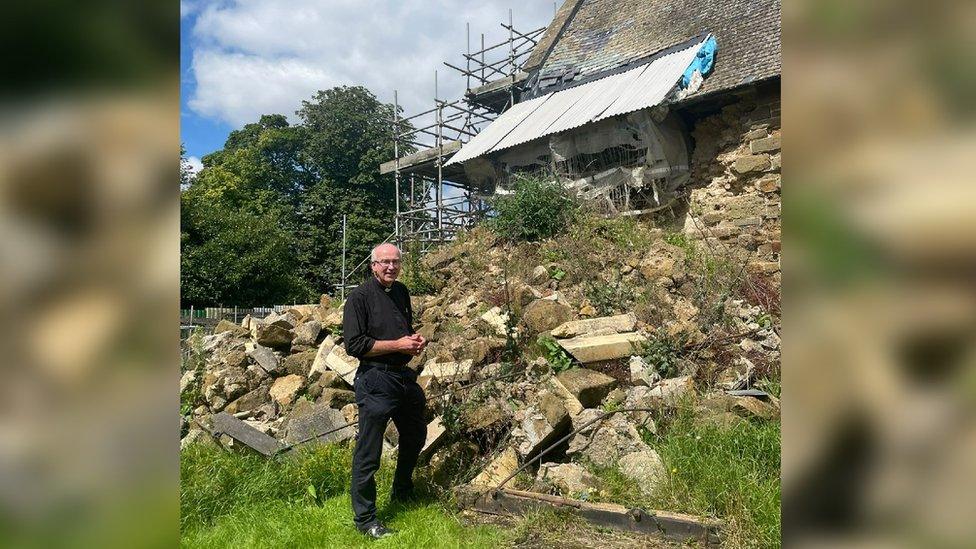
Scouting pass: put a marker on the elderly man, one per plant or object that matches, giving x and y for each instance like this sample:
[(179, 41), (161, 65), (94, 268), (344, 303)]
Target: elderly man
[(377, 325)]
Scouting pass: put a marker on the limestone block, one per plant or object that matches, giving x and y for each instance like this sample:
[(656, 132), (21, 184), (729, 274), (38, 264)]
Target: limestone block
[(600, 348), (587, 386), (574, 328)]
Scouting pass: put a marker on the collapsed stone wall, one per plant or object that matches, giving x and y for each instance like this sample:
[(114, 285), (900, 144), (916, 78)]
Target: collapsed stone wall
[(735, 202)]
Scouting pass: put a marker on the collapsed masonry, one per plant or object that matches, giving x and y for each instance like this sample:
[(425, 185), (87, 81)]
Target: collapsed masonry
[(270, 384)]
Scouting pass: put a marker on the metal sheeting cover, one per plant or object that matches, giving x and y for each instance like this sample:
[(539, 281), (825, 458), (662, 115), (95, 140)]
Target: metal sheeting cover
[(639, 88), (487, 138)]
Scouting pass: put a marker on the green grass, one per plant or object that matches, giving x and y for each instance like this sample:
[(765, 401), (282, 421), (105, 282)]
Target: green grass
[(232, 500), (731, 473)]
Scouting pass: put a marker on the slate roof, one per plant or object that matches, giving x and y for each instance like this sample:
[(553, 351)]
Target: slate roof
[(588, 37)]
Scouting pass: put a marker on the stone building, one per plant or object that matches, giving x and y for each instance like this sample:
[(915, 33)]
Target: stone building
[(668, 108)]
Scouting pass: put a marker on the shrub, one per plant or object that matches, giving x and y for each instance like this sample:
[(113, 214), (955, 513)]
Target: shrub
[(536, 210)]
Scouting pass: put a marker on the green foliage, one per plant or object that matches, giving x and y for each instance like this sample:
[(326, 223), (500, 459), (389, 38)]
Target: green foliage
[(557, 273), (262, 222), (557, 357), (609, 297), (537, 209), (663, 353), (416, 275)]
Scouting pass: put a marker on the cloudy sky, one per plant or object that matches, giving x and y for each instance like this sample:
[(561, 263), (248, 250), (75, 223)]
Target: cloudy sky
[(244, 58)]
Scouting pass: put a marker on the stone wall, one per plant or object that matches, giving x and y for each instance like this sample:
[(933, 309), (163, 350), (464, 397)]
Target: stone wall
[(734, 205)]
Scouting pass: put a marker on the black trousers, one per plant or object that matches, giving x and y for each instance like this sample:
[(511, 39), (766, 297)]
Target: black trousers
[(381, 395)]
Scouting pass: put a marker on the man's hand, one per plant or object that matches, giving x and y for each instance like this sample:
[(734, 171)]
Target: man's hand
[(411, 344)]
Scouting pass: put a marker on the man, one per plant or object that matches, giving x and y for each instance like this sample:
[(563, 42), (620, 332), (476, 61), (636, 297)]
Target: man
[(377, 325)]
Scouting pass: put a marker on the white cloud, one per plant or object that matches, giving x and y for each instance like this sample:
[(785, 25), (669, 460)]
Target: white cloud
[(257, 57), (195, 164), (187, 8)]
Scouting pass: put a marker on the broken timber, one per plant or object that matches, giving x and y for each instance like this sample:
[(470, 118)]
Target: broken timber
[(677, 526)]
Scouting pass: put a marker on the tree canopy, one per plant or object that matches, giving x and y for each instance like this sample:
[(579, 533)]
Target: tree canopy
[(262, 221)]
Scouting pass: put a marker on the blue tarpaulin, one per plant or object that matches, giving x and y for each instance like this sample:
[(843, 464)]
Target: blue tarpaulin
[(703, 62)]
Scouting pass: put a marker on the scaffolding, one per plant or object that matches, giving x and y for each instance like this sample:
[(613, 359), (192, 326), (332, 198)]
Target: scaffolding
[(435, 203)]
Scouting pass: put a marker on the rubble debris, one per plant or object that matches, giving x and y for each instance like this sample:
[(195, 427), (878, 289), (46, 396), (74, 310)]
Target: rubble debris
[(568, 478), (646, 468), (604, 442)]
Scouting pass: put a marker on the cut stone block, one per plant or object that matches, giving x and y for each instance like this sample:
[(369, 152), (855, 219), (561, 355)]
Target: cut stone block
[(318, 365), (436, 435), (572, 404), (266, 359), (286, 389), (543, 425), (447, 372), (600, 348), (317, 425), (616, 324), (766, 144), (589, 387), (501, 467), (226, 424), (341, 363)]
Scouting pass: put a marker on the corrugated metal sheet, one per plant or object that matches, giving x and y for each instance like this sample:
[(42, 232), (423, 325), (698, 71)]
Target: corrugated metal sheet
[(487, 138), (636, 89)]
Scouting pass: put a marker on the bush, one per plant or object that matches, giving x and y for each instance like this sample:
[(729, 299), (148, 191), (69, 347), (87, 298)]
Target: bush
[(536, 210)]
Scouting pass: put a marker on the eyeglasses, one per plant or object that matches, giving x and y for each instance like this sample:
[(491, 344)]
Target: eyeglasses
[(389, 262)]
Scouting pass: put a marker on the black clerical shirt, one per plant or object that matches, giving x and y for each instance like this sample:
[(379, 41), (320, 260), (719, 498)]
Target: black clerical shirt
[(374, 312)]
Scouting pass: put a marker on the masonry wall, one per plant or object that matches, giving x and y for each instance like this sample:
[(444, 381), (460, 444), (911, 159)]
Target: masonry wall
[(735, 203)]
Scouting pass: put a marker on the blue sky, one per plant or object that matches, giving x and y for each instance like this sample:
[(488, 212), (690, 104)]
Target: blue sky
[(243, 58)]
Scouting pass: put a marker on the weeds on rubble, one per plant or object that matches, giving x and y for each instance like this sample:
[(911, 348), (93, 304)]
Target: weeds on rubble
[(417, 276), (538, 209), (557, 357), (611, 297), (663, 352), (732, 473)]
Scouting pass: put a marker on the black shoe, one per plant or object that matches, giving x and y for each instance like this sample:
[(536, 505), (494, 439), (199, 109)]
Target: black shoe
[(377, 531)]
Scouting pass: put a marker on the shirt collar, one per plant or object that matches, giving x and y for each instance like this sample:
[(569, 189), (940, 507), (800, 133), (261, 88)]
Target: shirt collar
[(379, 285)]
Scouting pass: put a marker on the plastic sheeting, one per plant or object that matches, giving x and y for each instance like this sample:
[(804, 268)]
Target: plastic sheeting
[(703, 62)]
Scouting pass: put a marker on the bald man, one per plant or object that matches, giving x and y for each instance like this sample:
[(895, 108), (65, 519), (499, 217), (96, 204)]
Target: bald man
[(377, 325)]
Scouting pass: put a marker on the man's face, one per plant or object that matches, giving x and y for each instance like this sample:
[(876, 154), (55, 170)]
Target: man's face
[(386, 266)]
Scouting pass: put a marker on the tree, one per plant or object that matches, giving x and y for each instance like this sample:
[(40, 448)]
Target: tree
[(269, 205)]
